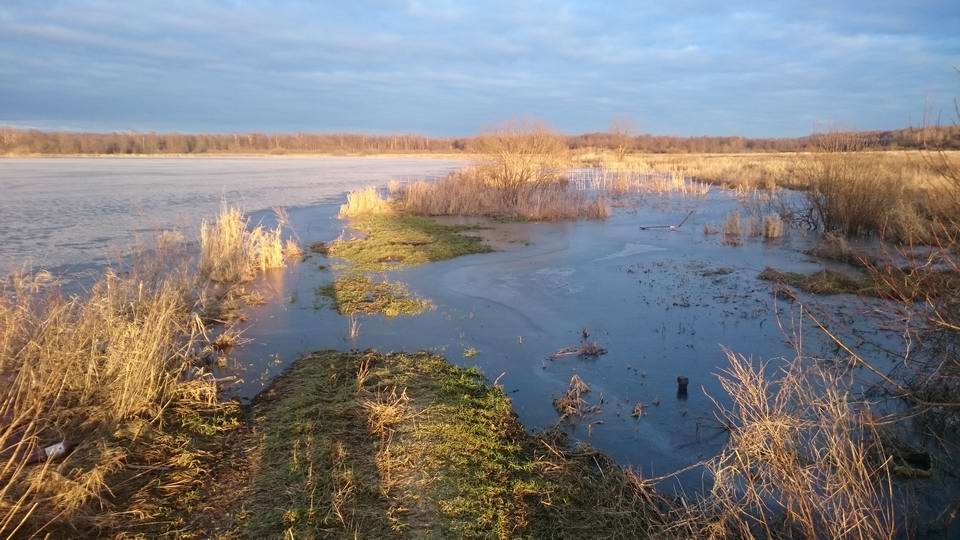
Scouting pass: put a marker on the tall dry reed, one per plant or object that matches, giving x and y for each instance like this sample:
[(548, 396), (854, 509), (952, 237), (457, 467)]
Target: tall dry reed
[(98, 371), (469, 193), (366, 201), (802, 459), (231, 251)]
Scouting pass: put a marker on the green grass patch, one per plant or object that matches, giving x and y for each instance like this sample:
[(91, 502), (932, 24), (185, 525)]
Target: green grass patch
[(407, 445), (357, 294), (393, 241)]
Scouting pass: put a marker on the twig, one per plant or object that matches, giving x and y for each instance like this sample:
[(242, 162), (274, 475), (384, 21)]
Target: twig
[(668, 227)]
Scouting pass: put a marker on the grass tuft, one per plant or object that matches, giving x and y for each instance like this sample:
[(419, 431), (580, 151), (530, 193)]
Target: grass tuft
[(396, 241), (230, 251), (356, 294)]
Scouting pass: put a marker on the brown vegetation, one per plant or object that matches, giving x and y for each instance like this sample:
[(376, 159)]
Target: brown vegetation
[(522, 177), (106, 375), (621, 139), (231, 251), (469, 193), (800, 443)]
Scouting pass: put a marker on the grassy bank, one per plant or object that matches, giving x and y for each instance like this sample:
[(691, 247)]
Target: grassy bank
[(369, 445), (406, 445)]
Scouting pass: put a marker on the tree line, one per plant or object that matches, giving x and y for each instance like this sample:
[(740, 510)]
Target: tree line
[(14, 141)]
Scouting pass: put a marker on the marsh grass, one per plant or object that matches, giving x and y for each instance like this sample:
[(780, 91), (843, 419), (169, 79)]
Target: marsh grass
[(800, 459), (364, 202), (772, 226), (733, 229), (898, 196), (109, 373), (472, 193), (523, 175), (357, 294), (407, 445), (617, 182), (232, 251), (80, 370), (825, 281), (393, 241)]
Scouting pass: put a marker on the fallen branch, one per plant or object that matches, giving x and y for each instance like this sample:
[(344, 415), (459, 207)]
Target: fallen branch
[(668, 227)]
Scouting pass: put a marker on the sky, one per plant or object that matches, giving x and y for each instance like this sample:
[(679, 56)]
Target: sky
[(444, 67)]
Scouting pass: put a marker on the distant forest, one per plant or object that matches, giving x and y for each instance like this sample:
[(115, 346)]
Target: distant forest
[(23, 142)]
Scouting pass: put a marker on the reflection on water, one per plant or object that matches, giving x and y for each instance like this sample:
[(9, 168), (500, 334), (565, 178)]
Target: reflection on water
[(63, 211)]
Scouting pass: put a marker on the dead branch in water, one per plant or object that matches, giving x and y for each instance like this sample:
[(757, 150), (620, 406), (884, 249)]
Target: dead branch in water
[(668, 227)]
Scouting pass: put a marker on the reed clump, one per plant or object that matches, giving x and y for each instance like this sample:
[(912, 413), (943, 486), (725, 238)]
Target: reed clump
[(78, 370), (733, 229), (106, 381), (472, 193), (772, 226), (801, 458), (524, 176), (364, 202), (231, 251)]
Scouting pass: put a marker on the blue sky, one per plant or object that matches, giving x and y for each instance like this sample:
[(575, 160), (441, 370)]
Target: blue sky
[(440, 67)]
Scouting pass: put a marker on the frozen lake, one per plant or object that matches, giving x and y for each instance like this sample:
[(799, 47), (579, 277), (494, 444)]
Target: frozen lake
[(63, 213)]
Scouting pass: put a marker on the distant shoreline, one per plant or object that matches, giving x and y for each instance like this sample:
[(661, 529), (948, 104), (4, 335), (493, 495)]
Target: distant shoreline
[(221, 155)]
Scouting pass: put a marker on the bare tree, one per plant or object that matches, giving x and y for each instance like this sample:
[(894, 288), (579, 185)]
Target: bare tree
[(622, 132)]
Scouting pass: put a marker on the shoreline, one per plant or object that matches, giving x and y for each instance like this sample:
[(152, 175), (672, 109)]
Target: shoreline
[(298, 155)]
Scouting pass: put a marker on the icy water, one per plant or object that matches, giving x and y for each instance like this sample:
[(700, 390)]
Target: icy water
[(663, 303), (64, 213)]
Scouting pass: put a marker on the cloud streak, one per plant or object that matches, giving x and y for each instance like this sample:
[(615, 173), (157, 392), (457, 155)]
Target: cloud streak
[(444, 67)]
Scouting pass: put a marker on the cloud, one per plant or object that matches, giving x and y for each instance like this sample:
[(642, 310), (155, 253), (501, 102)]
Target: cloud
[(445, 67)]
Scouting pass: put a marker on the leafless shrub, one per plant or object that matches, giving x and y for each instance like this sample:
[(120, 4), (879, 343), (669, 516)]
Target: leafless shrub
[(521, 153), (468, 193)]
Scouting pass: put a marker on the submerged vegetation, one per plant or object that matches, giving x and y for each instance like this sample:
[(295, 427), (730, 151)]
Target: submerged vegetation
[(356, 294), (825, 281)]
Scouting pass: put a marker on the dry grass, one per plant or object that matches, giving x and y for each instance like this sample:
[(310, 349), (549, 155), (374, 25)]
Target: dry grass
[(77, 370), (572, 403), (800, 460), (470, 193), (774, 169), (900, 196), (364, 202), (524, 176), (772, 226), (733, 229), (105, 372), (618, 182), (231, 251)]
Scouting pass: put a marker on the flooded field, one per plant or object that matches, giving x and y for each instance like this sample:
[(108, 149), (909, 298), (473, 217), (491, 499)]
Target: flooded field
[(71, 212), (663, 303), (622, 309)]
